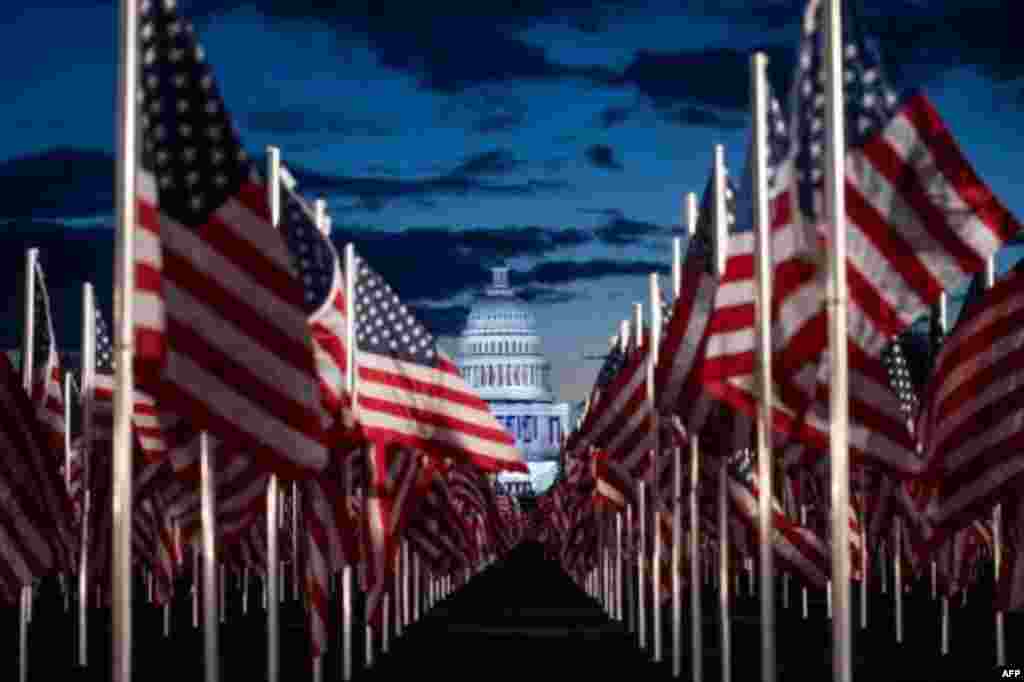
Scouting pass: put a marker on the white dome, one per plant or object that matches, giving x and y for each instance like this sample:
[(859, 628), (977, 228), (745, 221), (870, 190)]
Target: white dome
[(499, 349)]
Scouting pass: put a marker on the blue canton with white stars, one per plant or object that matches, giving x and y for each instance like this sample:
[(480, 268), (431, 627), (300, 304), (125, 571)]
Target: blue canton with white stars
[(899, 377), (104, 346), (312, 254), (385, 326), (189, 143), (41, 341), (868, 100)]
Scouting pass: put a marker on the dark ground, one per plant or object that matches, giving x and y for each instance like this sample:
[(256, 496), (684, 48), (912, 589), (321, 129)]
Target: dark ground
[(525, 619)]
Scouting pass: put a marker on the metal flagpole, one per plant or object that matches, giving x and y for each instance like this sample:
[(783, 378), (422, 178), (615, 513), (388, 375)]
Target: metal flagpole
[(696, 611), (898, 576), (28, 341), (296, 593), (124, 270), (618, 566), (944, 634), (835, 212), (208, 502), (627, 588), (641, 513), (721, 234), (350, 382), (677, 501), (723, 574), (997, 521), (68, 379), (652, 359), (273, 582), (759, 91)]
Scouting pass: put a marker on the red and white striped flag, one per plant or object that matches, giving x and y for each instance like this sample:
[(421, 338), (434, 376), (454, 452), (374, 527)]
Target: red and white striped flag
[(36, 517), (919, 219), (972, 420), (221, 333), (47, 390), (410, 392)]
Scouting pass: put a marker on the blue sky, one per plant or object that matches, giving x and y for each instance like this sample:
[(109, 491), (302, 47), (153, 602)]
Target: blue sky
[(558, 137)]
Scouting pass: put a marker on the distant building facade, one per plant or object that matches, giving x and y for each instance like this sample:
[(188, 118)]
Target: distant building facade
[(500, 356)]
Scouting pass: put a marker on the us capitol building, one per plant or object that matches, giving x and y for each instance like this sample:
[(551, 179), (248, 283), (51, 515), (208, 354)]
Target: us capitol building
[(499, 355)]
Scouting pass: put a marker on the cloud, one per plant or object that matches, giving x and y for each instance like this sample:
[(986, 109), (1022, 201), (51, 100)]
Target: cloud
[(545, 295), (712, 78), (687, 115), (621, 231), (499, 122), (442, 320), (602, 156), (614, 115), (447, 47), (565, 271), (58, 182), (306, 121), (373, 193), (494, 162)]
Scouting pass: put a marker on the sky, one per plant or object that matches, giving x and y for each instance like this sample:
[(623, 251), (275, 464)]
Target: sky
[(558, 138)]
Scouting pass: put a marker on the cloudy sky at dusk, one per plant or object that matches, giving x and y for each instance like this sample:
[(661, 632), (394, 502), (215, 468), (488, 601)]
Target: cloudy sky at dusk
[(557, 137)]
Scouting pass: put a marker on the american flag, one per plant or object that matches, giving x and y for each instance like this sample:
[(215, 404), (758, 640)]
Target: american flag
[(1010, 590), (47, 391), (36, 516), (918, 217), (972, 423), (798, 547), (221, 331), (677, 376), (323, 281), (410, 392)]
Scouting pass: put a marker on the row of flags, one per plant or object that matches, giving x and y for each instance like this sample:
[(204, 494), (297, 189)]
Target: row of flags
[(932, 456), (257, 342)]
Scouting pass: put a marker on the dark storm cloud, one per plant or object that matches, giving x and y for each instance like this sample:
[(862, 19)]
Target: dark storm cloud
[(565, 272), (302, 121), (602, 156), (494, 162), (686, 115), (613, 116), (58, 182), (446, 320), (498, 123), (621, 231), (714, 78), (447, 46)]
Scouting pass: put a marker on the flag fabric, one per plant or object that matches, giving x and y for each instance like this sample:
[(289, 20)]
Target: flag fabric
[(323, 279), (918, 218), (221, 333), (684, 342), (1010, 588), (800, 549), (36, 517), (972, 423), (411, 393), (47, 390)]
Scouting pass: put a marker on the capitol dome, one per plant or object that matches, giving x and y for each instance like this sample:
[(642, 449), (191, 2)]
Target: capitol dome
[(499, 349)]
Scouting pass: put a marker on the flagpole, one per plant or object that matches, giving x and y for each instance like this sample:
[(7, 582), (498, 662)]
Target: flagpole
[(67, 466), (943, 312), (273, 585), (719, 223), (677, 503), (27, 348), (759, 88), (86, 393), (208, 502), (652, 361), (628, 593), (997, 520), (835, 212), (350, 379), (641, 511), (696, 610)]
